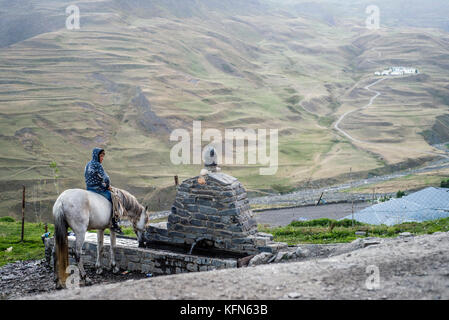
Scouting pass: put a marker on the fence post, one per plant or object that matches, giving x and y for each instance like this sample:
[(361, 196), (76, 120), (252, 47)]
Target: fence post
[(352, 196), (23, 214)]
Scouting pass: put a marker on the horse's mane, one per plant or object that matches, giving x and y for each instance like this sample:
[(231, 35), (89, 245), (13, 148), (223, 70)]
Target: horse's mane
[(132, 206)]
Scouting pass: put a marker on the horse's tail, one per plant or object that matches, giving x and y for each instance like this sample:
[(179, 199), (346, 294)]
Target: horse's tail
[(61, 260)]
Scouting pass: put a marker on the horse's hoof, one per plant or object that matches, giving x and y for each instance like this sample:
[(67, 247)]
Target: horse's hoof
[(59, 286), (99, 271)]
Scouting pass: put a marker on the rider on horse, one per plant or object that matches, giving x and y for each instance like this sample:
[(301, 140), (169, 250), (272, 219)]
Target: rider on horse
[(97, 180)]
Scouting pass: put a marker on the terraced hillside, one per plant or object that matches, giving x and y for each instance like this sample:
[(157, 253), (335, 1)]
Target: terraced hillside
[(136, 70)]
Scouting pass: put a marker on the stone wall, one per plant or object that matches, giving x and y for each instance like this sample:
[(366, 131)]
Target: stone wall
[(129, 257)]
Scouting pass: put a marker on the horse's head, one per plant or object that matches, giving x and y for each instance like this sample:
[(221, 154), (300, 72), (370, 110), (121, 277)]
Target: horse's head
[(140, 226)]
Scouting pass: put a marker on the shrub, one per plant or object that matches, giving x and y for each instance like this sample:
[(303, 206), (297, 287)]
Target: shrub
[(325, 222), (282, 189), (445, 183), (7, 219), (400, 194)]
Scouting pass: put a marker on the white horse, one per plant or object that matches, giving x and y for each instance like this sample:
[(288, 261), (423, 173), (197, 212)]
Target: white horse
[(84, 210)]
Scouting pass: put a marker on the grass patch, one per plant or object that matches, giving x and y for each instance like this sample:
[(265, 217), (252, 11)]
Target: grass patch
[(127, 231), (30, 249), (322, 231), (282, 189)]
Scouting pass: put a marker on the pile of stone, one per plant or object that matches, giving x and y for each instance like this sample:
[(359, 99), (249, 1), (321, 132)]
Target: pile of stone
[(212, 211)]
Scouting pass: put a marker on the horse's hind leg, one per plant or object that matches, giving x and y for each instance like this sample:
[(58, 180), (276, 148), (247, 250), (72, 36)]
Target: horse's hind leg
[(100, 246), (79, 257)]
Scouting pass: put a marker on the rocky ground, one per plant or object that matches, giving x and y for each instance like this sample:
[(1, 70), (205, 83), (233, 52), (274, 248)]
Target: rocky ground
[(27, 278), (407, 267)]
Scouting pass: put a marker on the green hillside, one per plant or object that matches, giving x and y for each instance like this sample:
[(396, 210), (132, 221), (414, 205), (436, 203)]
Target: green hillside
[(136, 70)]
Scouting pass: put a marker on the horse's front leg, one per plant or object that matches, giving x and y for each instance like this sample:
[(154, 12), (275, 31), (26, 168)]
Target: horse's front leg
[(114, 267), (100, 246), (79, 256)]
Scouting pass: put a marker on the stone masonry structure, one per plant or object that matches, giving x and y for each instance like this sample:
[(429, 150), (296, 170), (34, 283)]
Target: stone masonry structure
[(143, 260), (211, 211)]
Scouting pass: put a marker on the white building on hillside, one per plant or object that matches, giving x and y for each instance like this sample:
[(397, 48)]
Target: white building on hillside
[(397, 71)]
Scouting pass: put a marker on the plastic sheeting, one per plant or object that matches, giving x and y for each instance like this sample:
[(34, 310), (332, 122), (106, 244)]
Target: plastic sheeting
[(427, 204)]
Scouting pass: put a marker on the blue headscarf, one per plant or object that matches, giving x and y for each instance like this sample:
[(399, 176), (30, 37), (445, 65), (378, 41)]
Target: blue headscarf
[(95, 176)]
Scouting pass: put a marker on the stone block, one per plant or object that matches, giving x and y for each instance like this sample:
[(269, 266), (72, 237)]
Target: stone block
[(231, 263), (132, 266), (208, 210), (179, 204), (192, 267), (196, 230), (147, 261), (192, 208), (199, 216), (265, 235), (173, 218), (197, 223), (205, 202), (177, 227), (177, 240), (146, 268), (226, 219), (174, 234), (134, 258), (161, 238), (183, 213), (128, 251), (214, 218), (241, 240), (260, 241), (189, 200), (223, 233), (235, 228), (230, 212)]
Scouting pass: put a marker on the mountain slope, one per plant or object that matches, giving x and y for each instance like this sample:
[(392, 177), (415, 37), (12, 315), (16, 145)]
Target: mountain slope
[(136, 70)]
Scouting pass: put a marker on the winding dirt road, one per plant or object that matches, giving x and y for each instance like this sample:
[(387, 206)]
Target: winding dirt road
[(377, 93)]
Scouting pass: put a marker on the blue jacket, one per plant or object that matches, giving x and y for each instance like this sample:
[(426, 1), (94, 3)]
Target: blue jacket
[(94, 174)]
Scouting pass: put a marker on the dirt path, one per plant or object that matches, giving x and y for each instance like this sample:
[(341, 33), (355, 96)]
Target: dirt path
[(377, 93), (400, 268)]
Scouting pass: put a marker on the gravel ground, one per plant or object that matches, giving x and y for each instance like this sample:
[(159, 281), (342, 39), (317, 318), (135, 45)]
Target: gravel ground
[(407, 268), (32, 277)]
